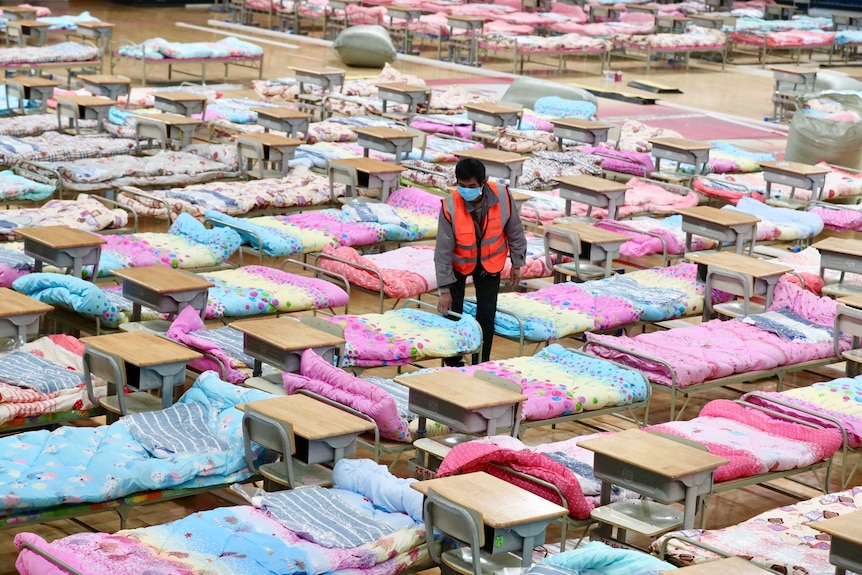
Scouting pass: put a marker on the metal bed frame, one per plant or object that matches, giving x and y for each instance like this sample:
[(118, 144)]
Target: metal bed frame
[(735, 40), (647, 52), (520, 56)]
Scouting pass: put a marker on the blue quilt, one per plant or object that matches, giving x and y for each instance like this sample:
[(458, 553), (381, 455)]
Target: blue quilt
[(276, 243), (40, 469), (596, 558)]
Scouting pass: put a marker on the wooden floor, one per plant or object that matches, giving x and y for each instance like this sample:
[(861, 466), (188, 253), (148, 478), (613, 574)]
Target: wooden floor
[(742, 91)]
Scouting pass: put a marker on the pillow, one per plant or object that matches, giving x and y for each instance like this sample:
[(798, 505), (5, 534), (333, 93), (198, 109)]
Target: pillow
[(365, 46), (338, 385), (565, 108)]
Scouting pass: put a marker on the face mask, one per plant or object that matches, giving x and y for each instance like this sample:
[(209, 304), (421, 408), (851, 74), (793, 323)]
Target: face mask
[(469, 194)]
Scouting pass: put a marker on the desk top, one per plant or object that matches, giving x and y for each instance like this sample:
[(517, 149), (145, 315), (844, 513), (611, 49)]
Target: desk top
[(29, 23), (163, 279), (463, 18), (13, 303), (400, 8), (369, 165), (281, 112), (384, 133), (581, 124), (501, 504), (733, 565), (273, 140), (286, 334), (592, 183), (403, 87), (88, 101), (310, 419), (104, 79), (317, 72), (462, 390), (802, 71), (492, 108), (840, 245), (59, 237), (639, 448), (590, 234), (795, 168), (741, 263), (847, 526), (851, 300), (180, 96), (680, 144), (32, 81), (495, 156), (717, 216), (141, 348), (168, 119), (19, 9), (94, 25)]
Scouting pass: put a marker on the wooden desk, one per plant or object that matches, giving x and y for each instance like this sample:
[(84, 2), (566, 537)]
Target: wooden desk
[(643, 8), (23, 28), (606, 13), (387, 140), (324, 433), (280, 342), (738, 274), (842, 254), (495, 115), (712, 21), (848, 321), (150, 362), (671, 24), (728, 566), (466, 403), (327, 78), (473, 25), (575, 238), (848, 20), (282, 119), (62, 247), (592, 191), (584, 131), (802, 80), (681, 151), (106, 85), (370, 173), (628, 459), (516, 517), (19, 314), (845, 551), (403, 93), (720, 225), (19, 12), (778, 12), (498, 164), (409, 15), (169, 129), (271, 152), (76, 108), (181, 102), (101, 31), (29, 88), (163, 289), (795, 175)]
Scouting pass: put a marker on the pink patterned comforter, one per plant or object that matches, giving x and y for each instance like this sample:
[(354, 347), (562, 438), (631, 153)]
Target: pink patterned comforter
[(789, 38), (718, 348), (753, 442)]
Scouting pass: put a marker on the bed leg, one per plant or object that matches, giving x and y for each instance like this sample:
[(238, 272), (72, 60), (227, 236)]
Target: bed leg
[(564, 525), (123, 511)]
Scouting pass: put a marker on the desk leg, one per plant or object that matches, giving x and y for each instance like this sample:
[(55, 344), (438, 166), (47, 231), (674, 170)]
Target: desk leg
[(688, 242), (422, 427), (739, 243), (609, 264), (22, 335), (690, 507), (257, 370), (136, 312), (38, 263), (568, 210)]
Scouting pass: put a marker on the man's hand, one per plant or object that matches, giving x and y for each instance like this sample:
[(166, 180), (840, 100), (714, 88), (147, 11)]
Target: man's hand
[(515, 277), (444, 303)]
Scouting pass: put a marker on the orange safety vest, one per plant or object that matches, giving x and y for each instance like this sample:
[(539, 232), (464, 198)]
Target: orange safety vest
[(492, 247)]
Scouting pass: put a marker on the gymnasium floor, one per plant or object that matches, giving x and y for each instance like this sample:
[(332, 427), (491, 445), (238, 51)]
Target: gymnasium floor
[(727, 104)]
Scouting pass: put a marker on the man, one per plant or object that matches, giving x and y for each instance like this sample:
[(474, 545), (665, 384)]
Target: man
[(477, 228)]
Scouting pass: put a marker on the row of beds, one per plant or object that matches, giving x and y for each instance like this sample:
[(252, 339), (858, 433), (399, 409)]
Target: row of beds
[(555, 393)]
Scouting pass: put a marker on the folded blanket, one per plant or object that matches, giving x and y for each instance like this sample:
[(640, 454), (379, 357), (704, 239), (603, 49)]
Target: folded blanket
[(24, 369), (180, 429), (788, 325)]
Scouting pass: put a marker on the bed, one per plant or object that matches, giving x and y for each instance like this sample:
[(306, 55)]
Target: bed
[(42, 384), (695, 40), (841, 184), (642, 197), (524, 48), (35, 124), (408, 271), (570, 309), (157, 51), (71, 471), (299, 189), (795, 335), (369, 522), (57, 147), (15, 188), (166, 168), (87, 213), (780, 539), (793, 41), (409, 214), (68, 56)]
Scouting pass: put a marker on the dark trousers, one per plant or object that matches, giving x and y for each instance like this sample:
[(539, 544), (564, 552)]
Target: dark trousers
[(487, 287)]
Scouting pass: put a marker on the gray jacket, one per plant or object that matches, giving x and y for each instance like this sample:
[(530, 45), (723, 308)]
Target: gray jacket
[(512, 229)]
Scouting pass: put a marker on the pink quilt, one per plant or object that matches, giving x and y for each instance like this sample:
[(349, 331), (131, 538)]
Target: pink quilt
[(717, 348), (789, 38), (753, 442)]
